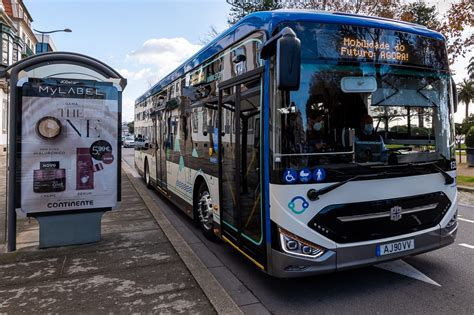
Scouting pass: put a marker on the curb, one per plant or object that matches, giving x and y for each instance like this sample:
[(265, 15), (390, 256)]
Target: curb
[(466, 188), (219, 298)]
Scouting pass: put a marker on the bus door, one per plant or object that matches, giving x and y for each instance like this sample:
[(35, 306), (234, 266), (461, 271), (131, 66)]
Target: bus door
[(161, 153), (239, 166)]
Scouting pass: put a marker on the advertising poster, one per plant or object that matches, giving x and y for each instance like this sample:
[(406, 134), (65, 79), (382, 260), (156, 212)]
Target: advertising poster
[(69, 132)]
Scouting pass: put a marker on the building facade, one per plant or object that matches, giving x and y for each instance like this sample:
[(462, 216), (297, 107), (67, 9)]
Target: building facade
[(44, 44), (18, 42)]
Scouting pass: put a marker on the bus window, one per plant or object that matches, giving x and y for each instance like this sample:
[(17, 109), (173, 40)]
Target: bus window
[(195, 120), (251, 217), (204, 122)]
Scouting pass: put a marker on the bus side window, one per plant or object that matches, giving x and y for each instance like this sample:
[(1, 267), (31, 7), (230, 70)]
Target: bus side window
[(204, 122), (227, 121), (175, 122), (184, 127), (195, 121)]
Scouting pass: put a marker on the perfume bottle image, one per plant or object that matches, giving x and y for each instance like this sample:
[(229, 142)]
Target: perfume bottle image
[(84, 169)]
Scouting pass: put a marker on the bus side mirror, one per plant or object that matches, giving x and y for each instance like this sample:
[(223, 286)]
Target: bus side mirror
[(288, 61), (287, 48), (455, 95)]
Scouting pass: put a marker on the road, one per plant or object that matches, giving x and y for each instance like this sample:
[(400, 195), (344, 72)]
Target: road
[(437, 282)]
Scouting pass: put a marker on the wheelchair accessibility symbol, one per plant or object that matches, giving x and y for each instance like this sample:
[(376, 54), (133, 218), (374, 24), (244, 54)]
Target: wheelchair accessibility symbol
[(293, 205), (290, 176)]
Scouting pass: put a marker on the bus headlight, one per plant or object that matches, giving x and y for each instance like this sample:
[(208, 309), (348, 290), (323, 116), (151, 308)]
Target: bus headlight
[(294, 245)]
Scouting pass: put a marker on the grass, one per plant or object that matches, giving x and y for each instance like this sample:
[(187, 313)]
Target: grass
[(465, 180)]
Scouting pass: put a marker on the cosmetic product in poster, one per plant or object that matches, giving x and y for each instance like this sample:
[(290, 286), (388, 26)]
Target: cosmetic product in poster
[(49, 178), (84, 170), (48, 128)]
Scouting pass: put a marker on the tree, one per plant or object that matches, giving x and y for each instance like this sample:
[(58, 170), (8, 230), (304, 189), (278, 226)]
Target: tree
[(241, 8), (383, 8), (466, 124), (456, 21), (466, 93), (212, 33), (470, 68), (420, 13), (131, 127), (452, 24)]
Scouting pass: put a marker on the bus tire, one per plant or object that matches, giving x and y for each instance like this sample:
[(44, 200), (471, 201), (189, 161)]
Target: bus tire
[(203, 210), (146, 174)]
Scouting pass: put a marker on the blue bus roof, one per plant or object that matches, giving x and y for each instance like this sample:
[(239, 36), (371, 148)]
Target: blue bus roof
[(268, 20)]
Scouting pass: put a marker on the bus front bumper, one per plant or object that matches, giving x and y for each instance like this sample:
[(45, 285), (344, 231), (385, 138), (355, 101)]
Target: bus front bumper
[(348, 257)]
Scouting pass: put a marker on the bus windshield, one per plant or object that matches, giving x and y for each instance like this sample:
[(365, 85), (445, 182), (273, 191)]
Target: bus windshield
[(351, 114), (406, 119)]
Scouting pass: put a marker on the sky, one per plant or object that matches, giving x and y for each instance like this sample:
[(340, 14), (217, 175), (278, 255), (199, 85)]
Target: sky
[(143, 39)]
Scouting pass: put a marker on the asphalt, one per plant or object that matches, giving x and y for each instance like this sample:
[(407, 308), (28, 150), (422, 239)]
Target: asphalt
[(141, 265)]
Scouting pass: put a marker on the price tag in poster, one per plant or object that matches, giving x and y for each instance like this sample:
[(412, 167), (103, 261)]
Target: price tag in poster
[(69, 146)]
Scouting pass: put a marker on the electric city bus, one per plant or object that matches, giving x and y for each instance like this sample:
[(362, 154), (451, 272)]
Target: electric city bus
[(310, 142)]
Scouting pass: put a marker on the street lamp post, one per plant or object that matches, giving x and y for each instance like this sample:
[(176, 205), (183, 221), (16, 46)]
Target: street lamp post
[(67, 30)]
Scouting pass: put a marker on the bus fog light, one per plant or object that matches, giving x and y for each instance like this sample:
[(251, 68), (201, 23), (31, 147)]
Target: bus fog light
[(294, 245)]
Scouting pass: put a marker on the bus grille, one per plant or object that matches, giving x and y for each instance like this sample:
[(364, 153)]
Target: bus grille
[(364, 221)]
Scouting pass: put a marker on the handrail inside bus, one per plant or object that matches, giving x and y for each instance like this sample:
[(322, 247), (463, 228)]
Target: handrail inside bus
[(312, 154)]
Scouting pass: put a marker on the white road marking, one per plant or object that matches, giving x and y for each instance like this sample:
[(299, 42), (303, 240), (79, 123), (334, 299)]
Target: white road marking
[(466, 220), (403, 268), (467, 245)]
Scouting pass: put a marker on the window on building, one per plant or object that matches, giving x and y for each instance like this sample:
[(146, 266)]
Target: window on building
[(4, 115), (15, 52), (5, 49)]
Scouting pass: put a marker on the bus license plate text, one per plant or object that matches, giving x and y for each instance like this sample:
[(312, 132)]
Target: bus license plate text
[(395, 247)]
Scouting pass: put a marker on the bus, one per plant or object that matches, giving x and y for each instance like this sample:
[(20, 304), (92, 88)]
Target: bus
[(311, 142)]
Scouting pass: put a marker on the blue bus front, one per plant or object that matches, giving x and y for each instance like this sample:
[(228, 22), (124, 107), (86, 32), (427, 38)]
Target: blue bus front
[(361, 157)]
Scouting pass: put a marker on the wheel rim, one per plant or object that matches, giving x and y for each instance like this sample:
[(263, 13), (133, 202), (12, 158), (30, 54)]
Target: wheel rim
[(205, 210)]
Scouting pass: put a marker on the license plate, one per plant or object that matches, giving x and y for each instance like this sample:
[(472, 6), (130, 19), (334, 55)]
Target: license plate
[(395, 247)]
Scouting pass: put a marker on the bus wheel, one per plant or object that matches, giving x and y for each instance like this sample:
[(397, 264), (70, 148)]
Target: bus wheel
[(203, 206), (146, 174)]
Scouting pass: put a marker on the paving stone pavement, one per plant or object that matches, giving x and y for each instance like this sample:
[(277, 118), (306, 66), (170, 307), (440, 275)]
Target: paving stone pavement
[(134, 268), (466, 198)]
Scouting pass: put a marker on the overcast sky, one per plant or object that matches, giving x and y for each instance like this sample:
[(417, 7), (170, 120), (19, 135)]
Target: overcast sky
[(143, 39)]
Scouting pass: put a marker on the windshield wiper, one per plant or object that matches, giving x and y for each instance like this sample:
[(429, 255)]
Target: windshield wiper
[(314, 194), (448, 179)]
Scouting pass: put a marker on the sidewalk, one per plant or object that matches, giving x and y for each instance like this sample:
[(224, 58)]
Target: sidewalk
[(134, 268), (3, 199), (465, 193)]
